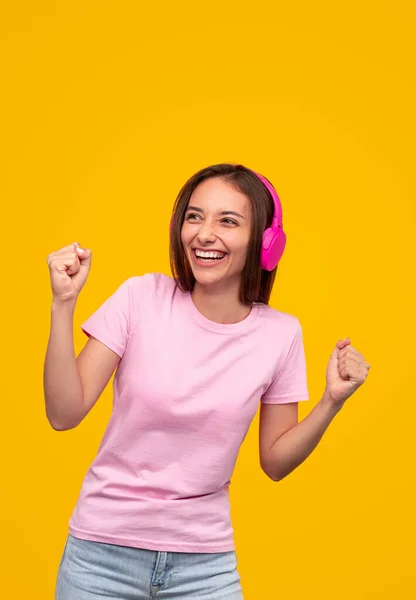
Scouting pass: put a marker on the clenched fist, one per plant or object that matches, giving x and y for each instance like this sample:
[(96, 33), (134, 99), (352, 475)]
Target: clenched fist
[(69, 268)]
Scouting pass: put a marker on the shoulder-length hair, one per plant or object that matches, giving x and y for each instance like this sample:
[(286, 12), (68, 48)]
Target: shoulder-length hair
[(256, 283)]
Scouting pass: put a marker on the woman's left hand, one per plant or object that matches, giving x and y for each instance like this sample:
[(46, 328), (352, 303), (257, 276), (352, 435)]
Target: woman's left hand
[(346, 372)]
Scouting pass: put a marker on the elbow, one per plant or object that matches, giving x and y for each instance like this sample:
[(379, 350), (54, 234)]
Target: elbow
[(273, 476), (58, 426), (61, 427)]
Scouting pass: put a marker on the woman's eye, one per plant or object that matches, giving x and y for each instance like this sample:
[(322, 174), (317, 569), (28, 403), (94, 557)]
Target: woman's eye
[(194, 216)]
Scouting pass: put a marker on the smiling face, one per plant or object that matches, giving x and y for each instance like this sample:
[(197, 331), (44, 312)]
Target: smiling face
[(217, 219)]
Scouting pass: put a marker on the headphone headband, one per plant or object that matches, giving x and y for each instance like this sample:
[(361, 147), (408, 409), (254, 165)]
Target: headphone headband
[(277, 218)]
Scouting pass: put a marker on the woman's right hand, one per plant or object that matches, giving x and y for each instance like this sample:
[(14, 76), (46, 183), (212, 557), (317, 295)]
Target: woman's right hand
[(68, 269)]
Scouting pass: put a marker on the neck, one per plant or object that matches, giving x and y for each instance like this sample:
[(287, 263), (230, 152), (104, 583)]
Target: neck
[(219, 304)]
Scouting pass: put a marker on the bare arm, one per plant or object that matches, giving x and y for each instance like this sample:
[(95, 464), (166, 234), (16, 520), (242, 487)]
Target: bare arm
[(73, 385), (285, 443)]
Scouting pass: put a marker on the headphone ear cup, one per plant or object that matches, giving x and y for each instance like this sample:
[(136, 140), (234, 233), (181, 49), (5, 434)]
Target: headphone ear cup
[(273, 246)]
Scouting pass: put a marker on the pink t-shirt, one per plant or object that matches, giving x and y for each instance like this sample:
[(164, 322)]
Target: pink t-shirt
[(185, 393)]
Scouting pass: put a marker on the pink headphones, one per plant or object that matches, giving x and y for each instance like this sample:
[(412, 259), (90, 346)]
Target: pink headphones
[(274, 238)]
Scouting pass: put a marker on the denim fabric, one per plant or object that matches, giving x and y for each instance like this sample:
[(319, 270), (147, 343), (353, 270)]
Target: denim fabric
[(94, 570)]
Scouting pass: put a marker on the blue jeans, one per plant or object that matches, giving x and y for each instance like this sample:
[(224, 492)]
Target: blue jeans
[(93, 570)]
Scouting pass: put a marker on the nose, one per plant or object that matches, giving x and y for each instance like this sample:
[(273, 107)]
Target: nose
[(206, 232)]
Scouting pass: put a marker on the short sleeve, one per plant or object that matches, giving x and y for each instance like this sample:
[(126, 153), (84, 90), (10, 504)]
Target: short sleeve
[(110, 323), (290, 383)]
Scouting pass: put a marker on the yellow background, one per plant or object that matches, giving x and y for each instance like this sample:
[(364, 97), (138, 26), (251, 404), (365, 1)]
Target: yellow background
[(107, 109)]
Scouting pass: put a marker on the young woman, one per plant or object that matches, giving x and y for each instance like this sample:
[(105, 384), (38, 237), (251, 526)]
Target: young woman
[(195, 356)]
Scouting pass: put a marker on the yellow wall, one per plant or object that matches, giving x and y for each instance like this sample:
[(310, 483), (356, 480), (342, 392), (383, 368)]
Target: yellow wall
[(108, 107)]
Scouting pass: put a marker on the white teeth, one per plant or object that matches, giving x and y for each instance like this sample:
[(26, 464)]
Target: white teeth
[(208, 254)]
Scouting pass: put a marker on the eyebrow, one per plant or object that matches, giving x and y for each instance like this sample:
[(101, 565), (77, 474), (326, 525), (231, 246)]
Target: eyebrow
[(224, 212)]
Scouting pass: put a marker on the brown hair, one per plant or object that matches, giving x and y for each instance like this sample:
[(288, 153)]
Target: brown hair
[(256, 283)]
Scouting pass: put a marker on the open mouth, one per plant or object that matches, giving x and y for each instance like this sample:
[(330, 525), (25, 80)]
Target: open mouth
[(208, 258)]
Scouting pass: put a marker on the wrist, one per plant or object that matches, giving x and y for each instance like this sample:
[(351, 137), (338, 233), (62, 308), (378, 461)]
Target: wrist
[(329, 405), (59, 305)]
